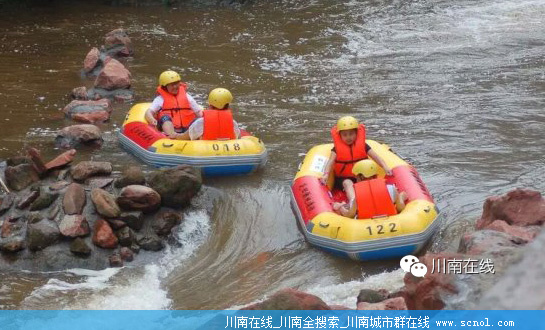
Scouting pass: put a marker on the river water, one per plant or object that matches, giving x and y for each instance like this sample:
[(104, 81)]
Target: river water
[(455, 87)]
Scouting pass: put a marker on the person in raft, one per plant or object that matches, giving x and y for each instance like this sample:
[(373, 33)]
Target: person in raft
[(349, 148), (217, 122), (173, 110), (370, 196)]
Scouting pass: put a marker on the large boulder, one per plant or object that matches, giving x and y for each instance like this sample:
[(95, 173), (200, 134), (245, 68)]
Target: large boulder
[(113, 76), (290, 299), (521, 207), (103, 235), (78, 135), (89, 111), (176, 185), (139, 198), (21, 176), (74, 199), (42, 234), (86, 169), (489, 242), (105, 203), (131, 175)]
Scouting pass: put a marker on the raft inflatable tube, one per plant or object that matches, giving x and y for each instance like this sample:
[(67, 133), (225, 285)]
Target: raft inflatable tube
[(363, 239), (225, 157)]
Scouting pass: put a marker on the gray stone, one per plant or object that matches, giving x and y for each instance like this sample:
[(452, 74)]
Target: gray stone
[(21, 176), (42, 234), (132, 175), (165, 221), (134, 219), (177, 185), (74, 199), (79, 247), (105, 203), (151, 243), (86, 169), (45, 199)]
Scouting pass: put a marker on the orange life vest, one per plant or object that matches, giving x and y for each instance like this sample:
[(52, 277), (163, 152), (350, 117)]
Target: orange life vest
[(373, 199), (177, 107), (347, 155), (218, 125)]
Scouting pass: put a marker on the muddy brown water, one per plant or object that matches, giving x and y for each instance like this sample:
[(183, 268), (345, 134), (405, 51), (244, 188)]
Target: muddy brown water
[(455, 87)]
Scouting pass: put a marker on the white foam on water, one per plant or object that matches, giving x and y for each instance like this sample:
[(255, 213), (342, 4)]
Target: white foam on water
[(126, 288), (345, 294)]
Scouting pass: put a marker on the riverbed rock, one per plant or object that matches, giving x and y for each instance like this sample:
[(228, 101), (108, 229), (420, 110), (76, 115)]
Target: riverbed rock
[(36, 161), (177, 185), (79, 135), (105, 203), (12, 235), (103, 235), (74, 199), (165, 221), (7, 202), (115, 260), (99, 182), (44, 200), (91, 60), (74, 225), (151, 243), (21, 176), (388, 304), (114, 75), (12, 244), (489, 242), (42, 234), (431, 291), (118, 43), (131, 175), (525, 233), (79, 93), (126, 254), (290, 299), (117, 95), (86, 169), (61, 160), (140, 198), (371, 296), (89, 111), (79, 247), (28, 198), (521, 207), (133, 219), (126, 236)]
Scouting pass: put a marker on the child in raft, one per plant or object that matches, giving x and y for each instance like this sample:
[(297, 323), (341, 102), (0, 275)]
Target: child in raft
[(349, 148), (173, 110)]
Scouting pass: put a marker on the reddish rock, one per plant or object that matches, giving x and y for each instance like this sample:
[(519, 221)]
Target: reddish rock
[(388, 304), (7, 201), (139, 198), (99, 182), (27, 199), (77, 135), (10, 227), (37, 161), (105, 203), (103, 235), (290, 299), (61, 160), (119, 37), (91, 60), (74, 225), (488, 241), (164, 222), (113, 76), (86, 169), (89, 111), (521, 207), (526, 233), (429, 291), (59, 185), (74, 199)]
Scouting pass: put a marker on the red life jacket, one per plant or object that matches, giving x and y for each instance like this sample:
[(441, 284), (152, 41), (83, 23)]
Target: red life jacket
[(218, 125), (177, 107), (373, 199), (347, 155)]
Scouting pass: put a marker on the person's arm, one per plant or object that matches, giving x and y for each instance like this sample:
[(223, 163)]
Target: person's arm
[(152, 110), (329, 166), (237, 129), (400, 200), (349, 210), (195, 106), (379, 161)]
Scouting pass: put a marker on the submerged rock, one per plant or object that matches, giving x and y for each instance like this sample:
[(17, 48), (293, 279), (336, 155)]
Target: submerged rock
[(79, 135), (290, 299), (113, 76), (89, 111)]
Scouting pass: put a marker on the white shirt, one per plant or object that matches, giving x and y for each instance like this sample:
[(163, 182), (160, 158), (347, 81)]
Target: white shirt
[(157, 104), (196, 129)]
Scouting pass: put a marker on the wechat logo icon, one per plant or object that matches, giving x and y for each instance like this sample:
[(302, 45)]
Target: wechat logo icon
[(411, 264)]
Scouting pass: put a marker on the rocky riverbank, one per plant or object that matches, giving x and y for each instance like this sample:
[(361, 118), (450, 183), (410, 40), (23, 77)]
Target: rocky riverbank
[(495, 267), (55, 216)]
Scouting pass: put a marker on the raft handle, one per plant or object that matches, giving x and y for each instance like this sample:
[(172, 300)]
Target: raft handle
[(324, 225), (167, 145)]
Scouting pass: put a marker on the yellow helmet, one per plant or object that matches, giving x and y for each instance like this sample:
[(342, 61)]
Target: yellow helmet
[(219, 98), (168, 77), (366, 167), (346, 123)]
